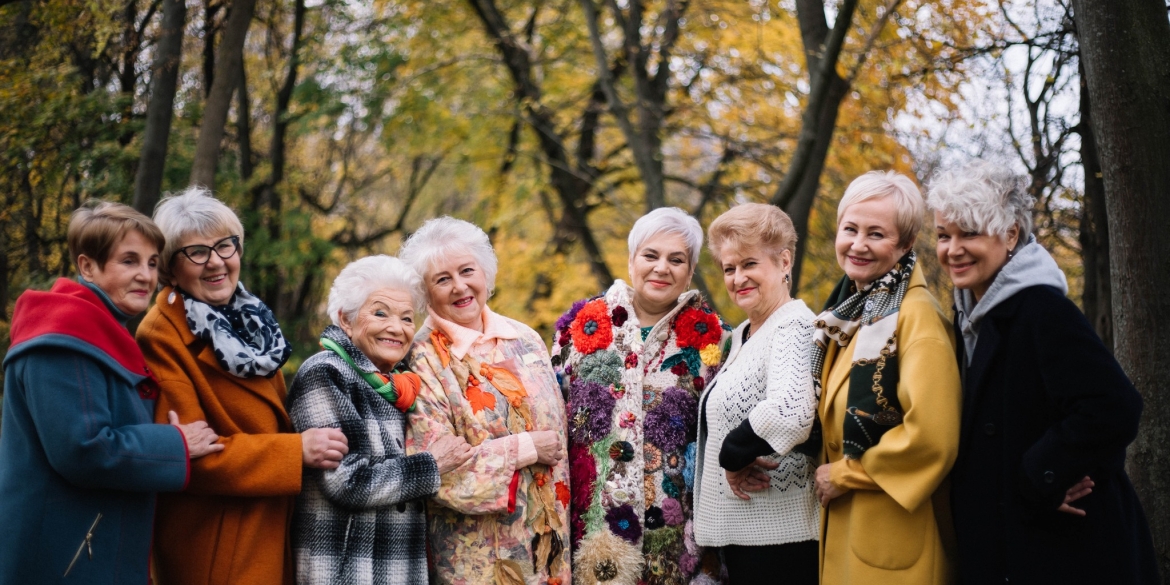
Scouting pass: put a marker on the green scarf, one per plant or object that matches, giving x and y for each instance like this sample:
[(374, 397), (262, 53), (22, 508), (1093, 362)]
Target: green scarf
[(870, 315)]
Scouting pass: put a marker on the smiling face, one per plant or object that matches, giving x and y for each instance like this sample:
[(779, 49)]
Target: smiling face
[(129, 275), (458, 290), (971, 259), (867, 240), (755, 281), (213, 282), (383, 327), (660, 271)]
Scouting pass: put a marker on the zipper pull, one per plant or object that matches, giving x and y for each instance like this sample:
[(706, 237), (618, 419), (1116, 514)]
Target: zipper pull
[(87, 543)]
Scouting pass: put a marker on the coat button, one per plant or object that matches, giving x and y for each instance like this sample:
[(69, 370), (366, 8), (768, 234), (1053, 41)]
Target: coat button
[(989, 428), (1049, 477)]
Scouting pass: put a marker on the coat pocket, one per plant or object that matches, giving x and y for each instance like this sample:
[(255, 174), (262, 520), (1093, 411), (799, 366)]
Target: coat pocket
[(884, 535)]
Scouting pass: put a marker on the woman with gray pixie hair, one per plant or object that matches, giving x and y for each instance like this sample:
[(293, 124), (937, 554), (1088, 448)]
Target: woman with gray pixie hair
[(500, 517), (633, 362), (1040, 490), (358, 384)]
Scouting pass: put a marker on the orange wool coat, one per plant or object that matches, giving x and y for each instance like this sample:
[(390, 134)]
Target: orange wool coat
[(231, 525)]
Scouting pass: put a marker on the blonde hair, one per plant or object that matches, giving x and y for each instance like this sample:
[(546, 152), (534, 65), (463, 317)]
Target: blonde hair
[(752, 225), (908, 204), (97, 226)]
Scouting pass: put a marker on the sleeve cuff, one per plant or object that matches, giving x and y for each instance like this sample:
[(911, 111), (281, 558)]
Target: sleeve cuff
[(526, 451), (741, 447)]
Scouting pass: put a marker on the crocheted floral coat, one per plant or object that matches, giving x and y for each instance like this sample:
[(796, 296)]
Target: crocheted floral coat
[(633, 411)]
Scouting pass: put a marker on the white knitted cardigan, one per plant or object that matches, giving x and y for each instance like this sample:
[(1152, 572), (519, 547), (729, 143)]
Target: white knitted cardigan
[(768, 381)]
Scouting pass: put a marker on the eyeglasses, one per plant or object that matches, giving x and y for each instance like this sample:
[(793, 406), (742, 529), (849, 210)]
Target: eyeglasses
[(200, 254)]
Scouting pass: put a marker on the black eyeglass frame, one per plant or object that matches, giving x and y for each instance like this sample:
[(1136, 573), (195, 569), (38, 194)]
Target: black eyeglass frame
[(235, 240)]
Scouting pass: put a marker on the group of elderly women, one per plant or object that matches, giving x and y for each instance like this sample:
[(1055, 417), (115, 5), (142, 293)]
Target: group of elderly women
[(875, 442)]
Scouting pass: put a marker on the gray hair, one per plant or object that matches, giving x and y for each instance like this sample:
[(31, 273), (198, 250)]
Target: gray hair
[(668, 220), (984, 198), (908, 206), (444, 236), (192, 211), (360, 278)]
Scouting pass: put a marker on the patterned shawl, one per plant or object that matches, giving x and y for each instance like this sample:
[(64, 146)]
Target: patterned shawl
[(244, 333), (870, 315)]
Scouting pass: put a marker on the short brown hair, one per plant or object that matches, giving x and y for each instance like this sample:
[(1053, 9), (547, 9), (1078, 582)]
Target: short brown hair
[(751, 225), (97, 226)]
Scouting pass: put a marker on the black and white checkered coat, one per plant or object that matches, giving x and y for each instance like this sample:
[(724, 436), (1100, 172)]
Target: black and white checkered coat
[(364, 522)]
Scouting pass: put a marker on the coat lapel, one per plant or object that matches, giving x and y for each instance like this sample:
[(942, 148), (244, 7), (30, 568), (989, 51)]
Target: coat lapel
[(985, 349)]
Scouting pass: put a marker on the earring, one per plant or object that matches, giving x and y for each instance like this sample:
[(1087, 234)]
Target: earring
[(171, 297), (787, 279)]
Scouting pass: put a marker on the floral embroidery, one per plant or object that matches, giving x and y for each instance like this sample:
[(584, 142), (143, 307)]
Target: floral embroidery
[(654, 518), (631, 360), (697, 329), (592, 330), (569, 315), (653, 457), (627, 420), (479, 399), (672, 512), (621, 451), (563, 494), (669, 487), (667, 426)]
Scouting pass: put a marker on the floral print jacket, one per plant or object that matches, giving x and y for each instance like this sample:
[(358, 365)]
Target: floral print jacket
[(498, 518), (633, 411)]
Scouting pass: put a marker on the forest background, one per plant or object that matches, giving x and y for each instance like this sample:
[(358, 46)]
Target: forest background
[(336, 127)]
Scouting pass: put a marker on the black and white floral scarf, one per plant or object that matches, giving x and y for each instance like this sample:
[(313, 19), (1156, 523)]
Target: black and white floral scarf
[(244, 333), (870, 315)]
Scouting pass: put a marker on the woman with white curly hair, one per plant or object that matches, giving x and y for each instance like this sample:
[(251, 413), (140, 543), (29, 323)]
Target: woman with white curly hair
[(1040, 491), (365, 521), (502, 516)]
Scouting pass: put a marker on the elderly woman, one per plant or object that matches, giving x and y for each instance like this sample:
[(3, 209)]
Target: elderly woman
[(217, 351), (80, 458), (502, 516), (365, 522), (633, 362), (889, 398), (1040, 491), (754, 496)]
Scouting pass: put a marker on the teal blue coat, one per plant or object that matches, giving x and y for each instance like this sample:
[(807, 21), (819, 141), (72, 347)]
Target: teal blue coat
[(77, 440)]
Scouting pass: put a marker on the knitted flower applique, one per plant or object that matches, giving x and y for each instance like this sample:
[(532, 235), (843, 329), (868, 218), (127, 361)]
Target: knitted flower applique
[(624, 522), (671, 425), (592, 329), (569, 315), (697, 329), (590, 411)]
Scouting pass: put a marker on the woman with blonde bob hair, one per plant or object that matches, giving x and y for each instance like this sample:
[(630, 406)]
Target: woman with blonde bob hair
[(889, 398), (754, 487), (1040, 489), (502, 515)]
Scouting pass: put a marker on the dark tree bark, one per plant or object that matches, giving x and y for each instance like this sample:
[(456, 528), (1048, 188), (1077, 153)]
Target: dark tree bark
[(160, 110), (211, 26), (229, 59), (1125, 46), (571, 179), (822, 48), (644, 133), (1096, 296), (244, 126)]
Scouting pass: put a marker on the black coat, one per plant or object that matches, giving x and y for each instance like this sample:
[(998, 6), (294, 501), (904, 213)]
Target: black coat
[(1045, 404)]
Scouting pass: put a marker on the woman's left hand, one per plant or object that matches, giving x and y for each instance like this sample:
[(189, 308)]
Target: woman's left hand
[(752, 478), (825, 489)]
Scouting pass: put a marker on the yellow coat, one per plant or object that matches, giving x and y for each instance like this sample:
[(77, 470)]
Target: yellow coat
[(894, 524)]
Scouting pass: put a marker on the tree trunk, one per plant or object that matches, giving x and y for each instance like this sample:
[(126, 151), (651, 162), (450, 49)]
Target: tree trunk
[(229, 59), (160, 110), (1125, 46), (1096, 297), (822, 48), (244, 127)]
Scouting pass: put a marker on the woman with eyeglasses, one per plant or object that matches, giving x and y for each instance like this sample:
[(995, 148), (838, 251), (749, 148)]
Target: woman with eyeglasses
[(217, 351)]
